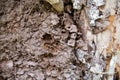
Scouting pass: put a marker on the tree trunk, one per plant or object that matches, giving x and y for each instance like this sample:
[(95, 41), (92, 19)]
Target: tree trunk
[(59, 40)]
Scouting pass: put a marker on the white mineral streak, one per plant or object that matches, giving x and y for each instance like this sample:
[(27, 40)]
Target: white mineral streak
[(102, 41), (81, 55), (94, 15), (77, 4), (94, 11), (95, 69), (89, 36), (112, 65), (118, 59), (117, 25), (117, 35), (110, 6)]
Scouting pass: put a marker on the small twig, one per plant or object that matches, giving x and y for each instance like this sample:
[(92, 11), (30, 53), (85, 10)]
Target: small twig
[(107, 73), (37, 2)]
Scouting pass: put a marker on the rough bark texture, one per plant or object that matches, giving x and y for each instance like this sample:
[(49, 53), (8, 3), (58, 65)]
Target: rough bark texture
[(39, 42)]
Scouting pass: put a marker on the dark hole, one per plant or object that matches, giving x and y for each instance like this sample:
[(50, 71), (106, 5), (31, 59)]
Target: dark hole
[(59, 69), (74, 62), (116, 76), (83, 73), (17, 0), (57, 42), (68, 27), (1, 78), (47, 55), (1, 13), (63, 32), (78, 36), (100, 13), (35, 9), (47, 36)]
